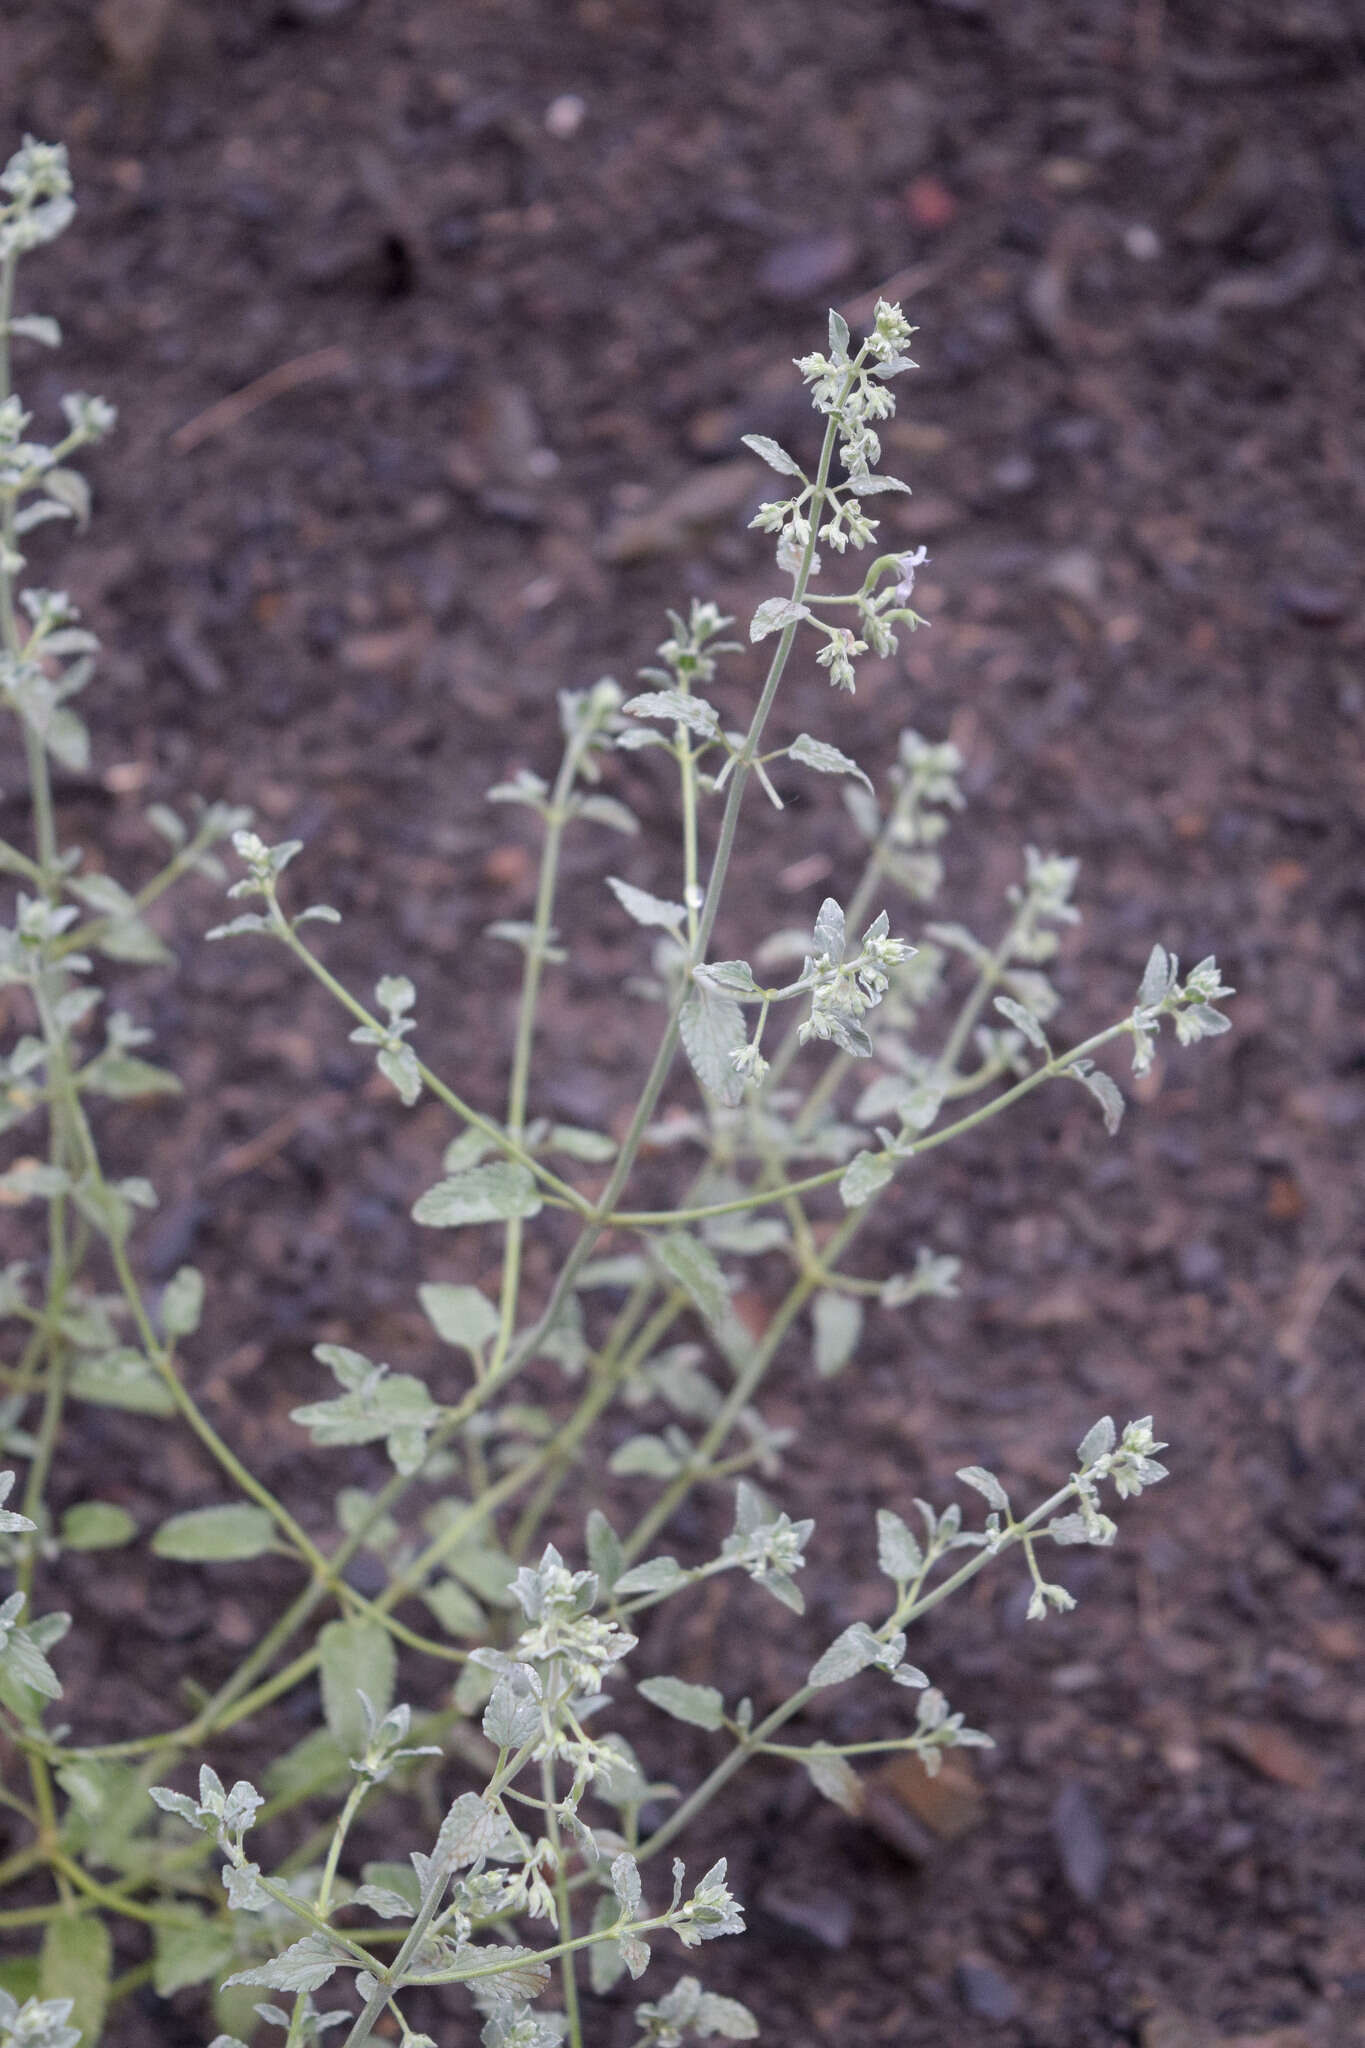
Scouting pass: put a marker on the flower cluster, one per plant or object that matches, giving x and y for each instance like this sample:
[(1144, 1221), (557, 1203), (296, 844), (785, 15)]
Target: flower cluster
[(566, 1631), (844, 990), (40, 205)]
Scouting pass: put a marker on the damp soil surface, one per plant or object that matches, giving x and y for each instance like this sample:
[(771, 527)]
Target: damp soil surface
[(491, 290)]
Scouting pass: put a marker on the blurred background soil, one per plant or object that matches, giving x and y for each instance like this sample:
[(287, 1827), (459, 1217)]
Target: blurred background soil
[(433, 329)]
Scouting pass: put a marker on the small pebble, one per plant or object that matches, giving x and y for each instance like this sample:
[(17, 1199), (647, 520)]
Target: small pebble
[(1081, 1845), (1315, 604), (823, 1916), (806, 265), (564, 116), (985, 1992)]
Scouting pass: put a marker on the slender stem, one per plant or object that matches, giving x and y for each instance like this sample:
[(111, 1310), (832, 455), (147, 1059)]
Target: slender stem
[(533, 967), (469, 1115), (763, 1197), (568, 1975)]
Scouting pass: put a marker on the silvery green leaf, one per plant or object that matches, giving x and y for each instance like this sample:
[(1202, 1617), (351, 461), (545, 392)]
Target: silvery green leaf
[(647, 909), (233, 1532), (812, 753), (657, 1575), (736, 975), (124, 1078), (688, 1261), (605, 1963), (832, 1776), (22, 1664), (1200, 1021), (470, 1830), (1106, 1093), (931, 1709), (986, 1484), (39, 513), (574, 1143), (68, 1010), (121, 1378), (481, 1194), (458, 1612), (873, 486), (644, 1457), (131, 940), (830, 935), (459, 1315), (398, 1065), (90, 1525), (774, 614), (352, 1368), (678, 706), (517, 932), (1024, 1020), (512, 1715), (866, 1174), (958, 937), (355, 1657), (34, 1181), (625, 1882), (392, 1406), (898, 1553), (619, 1272), (163, 819), (838, 335), (1158, 978), (245, 1893), (1067, 1529), (1097, 1442), (37, 327), (700, 1705), (634, 1953), (183, 1955), (471, 1148), (605, 1554), (847, 1655), (395, 993), (746, 1235), (838, 1320), (484, 1568), (770, 452), (304, 1966), (182, 1304), (605, 810), (379, 1899), (526, 787), (713, 1030), (753, 1509), (237, 927), (12, 1524), (178, 1803)]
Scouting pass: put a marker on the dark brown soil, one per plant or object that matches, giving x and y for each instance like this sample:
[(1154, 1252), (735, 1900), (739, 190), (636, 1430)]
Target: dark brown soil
[(559, 256)]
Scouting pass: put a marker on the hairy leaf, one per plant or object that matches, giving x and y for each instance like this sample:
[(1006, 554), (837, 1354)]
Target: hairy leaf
[(838, 1320), (231, 1533), (355, 1657), (713, 1030), (700, 1705), (481, 1194), (812, 753), (644, 908)]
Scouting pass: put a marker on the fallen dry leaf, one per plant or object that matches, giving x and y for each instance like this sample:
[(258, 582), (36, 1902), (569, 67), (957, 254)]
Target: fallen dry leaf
[(1270, 1751), (913, 1812)]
